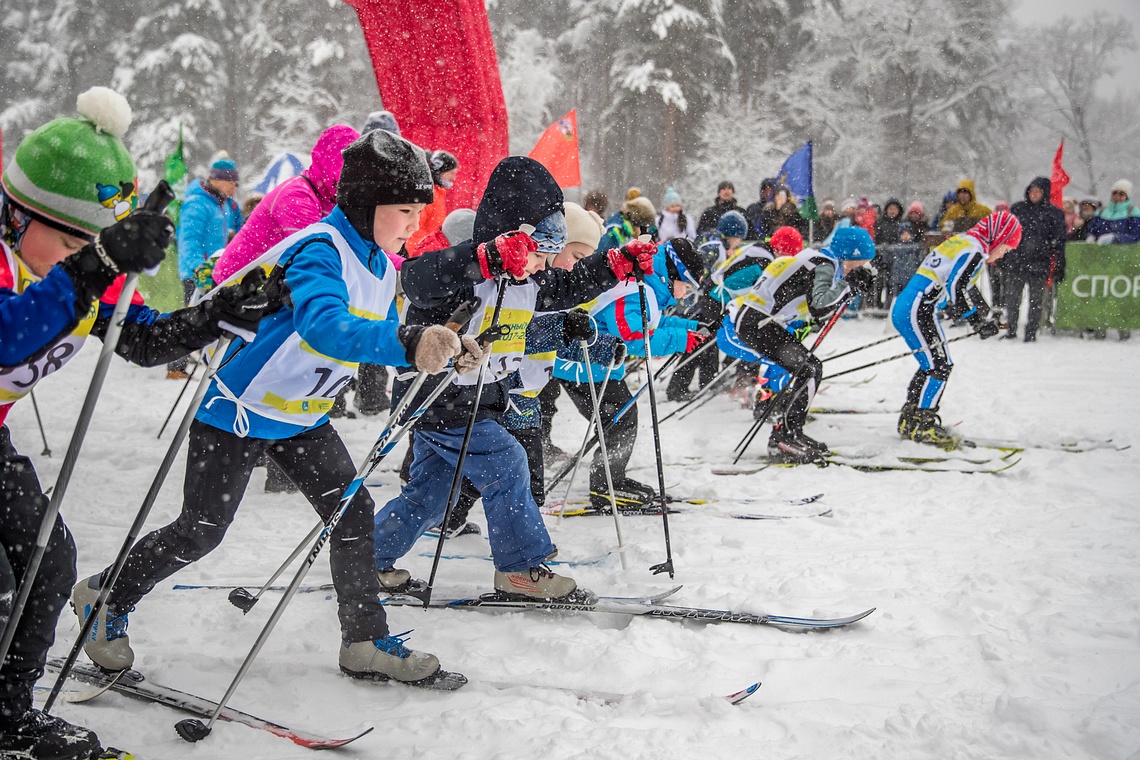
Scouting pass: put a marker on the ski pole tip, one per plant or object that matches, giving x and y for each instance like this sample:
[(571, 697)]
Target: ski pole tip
[(192, 729)]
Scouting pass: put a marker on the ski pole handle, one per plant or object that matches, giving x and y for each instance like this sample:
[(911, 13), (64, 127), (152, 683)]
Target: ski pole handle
[(157, 201)]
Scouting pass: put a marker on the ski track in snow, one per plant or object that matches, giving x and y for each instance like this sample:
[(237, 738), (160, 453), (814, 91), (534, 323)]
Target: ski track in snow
[(1008, 605)]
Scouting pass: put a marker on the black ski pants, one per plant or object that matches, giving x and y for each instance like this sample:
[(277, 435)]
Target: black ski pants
[(620, 438), (22, 508), (772, 339), (1015, 283), (218, 467)]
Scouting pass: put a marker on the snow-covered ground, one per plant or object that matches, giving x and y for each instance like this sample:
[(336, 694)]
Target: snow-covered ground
[(1008, 605)]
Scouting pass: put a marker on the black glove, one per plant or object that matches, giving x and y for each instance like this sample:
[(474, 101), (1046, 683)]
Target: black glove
[(619, 354), (577, 326), (239, 308), (861, 280), (131, 245), (135, 244), (987, 329)]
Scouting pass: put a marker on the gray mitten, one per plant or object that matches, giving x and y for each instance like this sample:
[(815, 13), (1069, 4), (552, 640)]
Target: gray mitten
[(472, 355)]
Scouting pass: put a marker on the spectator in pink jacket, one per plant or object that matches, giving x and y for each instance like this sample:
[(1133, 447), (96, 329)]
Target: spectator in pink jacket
[(292, 205)]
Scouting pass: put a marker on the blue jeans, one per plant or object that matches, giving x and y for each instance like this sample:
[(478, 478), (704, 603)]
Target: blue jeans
[(496, 465)]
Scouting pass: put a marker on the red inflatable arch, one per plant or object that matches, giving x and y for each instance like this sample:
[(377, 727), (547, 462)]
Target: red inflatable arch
[(438, 73)]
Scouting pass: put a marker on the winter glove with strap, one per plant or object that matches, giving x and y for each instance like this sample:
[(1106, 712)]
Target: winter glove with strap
[(506, 254), (633, 260)]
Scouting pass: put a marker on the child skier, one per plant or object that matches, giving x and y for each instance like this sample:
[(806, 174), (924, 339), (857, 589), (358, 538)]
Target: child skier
[(520, 191), (715, 253), (946, 279), (67, 234), (676, 271), (798, 289), (272, 396)]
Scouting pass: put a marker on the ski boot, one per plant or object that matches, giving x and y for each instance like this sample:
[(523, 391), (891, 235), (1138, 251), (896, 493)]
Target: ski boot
[(787, 447), (539, 584), (108, 646), (927, 428), (818, 446), (551, 454), (387, 659), (396, 580), (276, 481), (907, 420), (39, 735), (465, 528)]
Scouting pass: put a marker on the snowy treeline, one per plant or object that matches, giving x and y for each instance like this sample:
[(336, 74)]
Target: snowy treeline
[(253, 77), (901, 98)]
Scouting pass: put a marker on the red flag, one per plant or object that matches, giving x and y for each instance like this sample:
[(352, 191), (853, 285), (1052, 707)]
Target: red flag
[(1059, 178), (557, 150)]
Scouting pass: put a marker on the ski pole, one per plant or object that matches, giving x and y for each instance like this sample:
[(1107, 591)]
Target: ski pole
[(108, 583), (178, 400), (704, 394), (605, 457), (667, 565), (586, 441), (755, 430), (617, 417), (861, 348), (194, 730), (245, 601), (487, 338), (690, 357), (896, 356), (157, 201), (40, 421)]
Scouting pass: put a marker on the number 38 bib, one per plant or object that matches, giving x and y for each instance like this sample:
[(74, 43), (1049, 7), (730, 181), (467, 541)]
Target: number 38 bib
[(18, 381)]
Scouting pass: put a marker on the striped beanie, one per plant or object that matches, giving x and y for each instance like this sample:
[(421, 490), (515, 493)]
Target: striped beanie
[(76, 174), (999, 228)]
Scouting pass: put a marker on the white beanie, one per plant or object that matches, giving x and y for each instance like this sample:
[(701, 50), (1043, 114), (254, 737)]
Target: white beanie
[(1123, 184), (583, 226)]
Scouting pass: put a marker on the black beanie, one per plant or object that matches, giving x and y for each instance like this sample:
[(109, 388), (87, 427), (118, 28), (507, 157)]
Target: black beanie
[(383, 169), (442, 162), (688, 256)]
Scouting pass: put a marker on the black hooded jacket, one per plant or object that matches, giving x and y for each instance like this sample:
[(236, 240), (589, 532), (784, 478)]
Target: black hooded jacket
[(887, 229), (519, 191), (1042, 233)]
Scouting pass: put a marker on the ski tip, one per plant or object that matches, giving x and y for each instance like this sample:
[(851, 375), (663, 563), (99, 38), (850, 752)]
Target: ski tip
[(743, 694)]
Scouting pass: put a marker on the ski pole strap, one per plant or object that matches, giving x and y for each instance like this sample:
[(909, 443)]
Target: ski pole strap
[(861, 348)]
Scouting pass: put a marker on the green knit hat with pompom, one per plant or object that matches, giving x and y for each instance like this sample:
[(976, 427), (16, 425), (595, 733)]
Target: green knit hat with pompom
[(76, 174)]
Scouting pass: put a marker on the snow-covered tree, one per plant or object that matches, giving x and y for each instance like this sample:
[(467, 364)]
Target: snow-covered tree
[(1065, 63)]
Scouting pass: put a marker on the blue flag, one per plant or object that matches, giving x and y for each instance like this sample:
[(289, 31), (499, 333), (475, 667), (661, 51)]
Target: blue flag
[(796, 174)]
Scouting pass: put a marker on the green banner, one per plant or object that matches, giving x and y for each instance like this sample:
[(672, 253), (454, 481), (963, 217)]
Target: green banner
[(1101, 287)]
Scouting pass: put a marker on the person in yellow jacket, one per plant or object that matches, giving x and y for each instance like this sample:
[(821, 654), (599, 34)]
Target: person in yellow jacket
[(966, 212)]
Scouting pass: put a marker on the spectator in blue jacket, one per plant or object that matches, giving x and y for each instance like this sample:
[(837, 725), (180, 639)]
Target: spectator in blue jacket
[(1119, 220), (208, 219)]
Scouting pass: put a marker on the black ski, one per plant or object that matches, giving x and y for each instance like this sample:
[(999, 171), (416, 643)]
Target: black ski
[(133, 684), (626, 606)]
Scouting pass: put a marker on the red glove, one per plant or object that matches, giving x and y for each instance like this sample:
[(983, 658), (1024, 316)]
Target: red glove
[(507, 253), (695, 339), (631, 257)]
